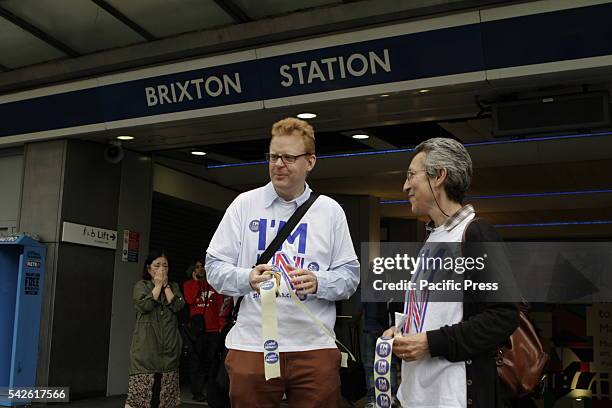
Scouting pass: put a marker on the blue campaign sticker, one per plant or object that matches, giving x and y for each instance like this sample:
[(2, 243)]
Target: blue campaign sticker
[(313, 266), (270, 345), (383, 401), (381, 367), (383, 349), (381, 384), (271, 358), (267, 285), (254, 225)]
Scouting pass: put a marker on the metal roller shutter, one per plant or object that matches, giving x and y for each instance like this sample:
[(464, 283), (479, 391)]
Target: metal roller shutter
[(183, 229)]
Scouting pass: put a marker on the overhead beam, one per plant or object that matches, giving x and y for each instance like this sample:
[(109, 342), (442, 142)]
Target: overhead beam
[(234, 11), (125, 20), (38, 33)]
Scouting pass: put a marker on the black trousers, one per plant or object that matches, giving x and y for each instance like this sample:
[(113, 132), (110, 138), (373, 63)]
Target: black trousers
[(200, 361)]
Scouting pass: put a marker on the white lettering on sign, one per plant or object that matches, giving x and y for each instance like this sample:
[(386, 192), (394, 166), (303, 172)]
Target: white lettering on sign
[(599, 325), (329, 69), (177, 92)]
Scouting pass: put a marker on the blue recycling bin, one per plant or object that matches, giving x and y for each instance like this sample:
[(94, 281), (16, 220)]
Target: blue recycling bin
[(22, 273)]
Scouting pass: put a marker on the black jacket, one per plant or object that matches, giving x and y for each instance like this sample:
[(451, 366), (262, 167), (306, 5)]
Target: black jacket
[(484, 327)]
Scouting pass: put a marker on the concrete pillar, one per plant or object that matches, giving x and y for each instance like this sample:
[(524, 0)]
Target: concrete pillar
[(11, 177), (69, 180), (40, 214), (135, 200)]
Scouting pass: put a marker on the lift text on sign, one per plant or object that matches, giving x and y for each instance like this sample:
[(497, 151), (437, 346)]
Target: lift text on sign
[(89, 235)]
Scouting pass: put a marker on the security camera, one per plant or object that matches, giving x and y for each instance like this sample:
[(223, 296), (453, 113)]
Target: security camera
[(114, 152)]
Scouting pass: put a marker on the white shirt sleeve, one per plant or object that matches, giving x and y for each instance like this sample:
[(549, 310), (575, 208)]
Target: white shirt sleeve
[(227, 241), (226, 278), (342, 249), (341, 281), (338, 284)]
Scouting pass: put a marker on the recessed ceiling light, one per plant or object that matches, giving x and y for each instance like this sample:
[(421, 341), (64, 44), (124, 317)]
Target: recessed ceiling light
[(360, 136), (307, 115), (578, 399), (125, 137), (423, 90), (384, 95), (198, 153)]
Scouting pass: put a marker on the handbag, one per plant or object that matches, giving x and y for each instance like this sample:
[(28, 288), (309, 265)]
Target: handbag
[(218, 389), (522, 359)]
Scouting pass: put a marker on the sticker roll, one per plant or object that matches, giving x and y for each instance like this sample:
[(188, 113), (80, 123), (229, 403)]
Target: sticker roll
[(269, 329), (382, 372)]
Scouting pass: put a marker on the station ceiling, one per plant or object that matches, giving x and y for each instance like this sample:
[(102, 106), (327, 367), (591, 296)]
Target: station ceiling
[(38, 31), (49, 41)]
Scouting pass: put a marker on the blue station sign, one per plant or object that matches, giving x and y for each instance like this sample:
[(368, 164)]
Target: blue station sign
[(469, 47)]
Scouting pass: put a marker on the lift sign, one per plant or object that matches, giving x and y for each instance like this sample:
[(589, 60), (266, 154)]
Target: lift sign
[(32, 283)]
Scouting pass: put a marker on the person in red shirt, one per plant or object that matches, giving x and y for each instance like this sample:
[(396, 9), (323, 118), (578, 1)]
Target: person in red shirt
[(208, 312)]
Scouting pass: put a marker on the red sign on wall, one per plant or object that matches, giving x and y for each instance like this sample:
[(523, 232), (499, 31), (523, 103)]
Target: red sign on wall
[(131, 246)]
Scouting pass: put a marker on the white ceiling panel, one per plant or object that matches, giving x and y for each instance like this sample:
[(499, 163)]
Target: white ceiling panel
[(257, 9), (19, 48), (164, 18), (80, 24)]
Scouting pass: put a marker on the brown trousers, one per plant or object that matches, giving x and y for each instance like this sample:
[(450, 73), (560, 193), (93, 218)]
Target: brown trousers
[(309, 378)]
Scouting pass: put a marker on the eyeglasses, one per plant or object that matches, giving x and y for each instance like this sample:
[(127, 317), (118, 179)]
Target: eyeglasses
[(411, 173), (286, 158)]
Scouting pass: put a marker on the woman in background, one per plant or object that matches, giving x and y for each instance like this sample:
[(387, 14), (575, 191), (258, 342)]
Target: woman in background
[(156, 342)]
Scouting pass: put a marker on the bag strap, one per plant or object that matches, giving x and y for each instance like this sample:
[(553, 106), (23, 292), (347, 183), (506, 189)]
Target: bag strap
[(523, 305), (286, 230), (463, 240), (316, 321), (279, 239), (275, 245), (236, 308)]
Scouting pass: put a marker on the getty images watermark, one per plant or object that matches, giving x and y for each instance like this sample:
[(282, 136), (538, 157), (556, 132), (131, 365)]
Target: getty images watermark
[(419, 268), (496, 271)]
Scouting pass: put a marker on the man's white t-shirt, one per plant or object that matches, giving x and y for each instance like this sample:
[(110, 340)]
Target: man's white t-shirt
[(320, 242), (436, 382)]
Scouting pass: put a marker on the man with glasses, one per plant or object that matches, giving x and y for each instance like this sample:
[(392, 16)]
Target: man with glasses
[(317, 261), (448, 348)]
